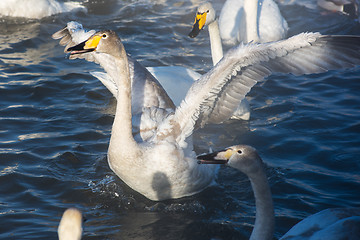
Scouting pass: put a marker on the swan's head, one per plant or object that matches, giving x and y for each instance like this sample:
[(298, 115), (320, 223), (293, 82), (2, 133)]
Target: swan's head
[(204, 16), (70, 225), (103, 42), (242, 157)]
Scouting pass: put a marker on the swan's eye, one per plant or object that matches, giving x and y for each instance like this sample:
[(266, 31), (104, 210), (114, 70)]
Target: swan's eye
[(239, 152), (207, 11), (104, 36)]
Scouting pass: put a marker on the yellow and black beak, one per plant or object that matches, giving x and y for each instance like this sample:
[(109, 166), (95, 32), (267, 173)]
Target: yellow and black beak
[(86, 46), (219, 157), (199, 24)]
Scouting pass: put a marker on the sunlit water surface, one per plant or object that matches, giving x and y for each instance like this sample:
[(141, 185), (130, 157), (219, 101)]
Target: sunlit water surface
[(55, 124)]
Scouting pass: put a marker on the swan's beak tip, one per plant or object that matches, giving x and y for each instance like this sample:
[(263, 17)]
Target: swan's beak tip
[(193, 33), (211, 158)]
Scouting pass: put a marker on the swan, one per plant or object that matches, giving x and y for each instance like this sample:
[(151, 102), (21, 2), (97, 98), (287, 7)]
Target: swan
[(36, 8), (346, 7), (241, 21), (206, 16), (232, 16), (161, 164), (70, 226), (330, 224)]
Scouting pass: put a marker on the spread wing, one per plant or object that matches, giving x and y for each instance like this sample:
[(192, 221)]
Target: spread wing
[(215, 96)]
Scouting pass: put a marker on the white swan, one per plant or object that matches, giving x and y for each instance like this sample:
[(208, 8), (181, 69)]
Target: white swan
[(243, 21), (330, 224), (206, 16), (161, 164), (70, 227), (36, 8)]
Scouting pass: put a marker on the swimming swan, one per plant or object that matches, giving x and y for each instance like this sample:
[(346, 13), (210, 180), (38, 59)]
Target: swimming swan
[(161, 165), (240, 21), (70, 227), (329, 224)]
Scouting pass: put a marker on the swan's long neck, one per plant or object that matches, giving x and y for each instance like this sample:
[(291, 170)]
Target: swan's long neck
[(122, 140), (215, 42), (252, 20), (264, 222)]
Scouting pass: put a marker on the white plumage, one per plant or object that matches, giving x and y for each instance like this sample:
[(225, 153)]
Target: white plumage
[(70, 226), (251, 20), (36, 8)]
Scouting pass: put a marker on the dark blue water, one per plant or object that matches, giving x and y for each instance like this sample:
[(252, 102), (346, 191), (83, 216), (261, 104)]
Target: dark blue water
[(55, 124)]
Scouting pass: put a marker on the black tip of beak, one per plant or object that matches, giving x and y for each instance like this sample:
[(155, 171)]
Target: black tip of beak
[(195, 31), (78, 49), (210, 159), (209, 156)]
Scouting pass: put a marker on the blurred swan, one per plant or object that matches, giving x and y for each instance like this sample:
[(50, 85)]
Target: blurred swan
[(241, 21), (70, 227), (251, 20), (346, 7), (330, 224), (36, 8), (161, 164)]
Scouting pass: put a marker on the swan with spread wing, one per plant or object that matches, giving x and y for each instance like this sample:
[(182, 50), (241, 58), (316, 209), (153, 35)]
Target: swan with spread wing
[(160, 165)]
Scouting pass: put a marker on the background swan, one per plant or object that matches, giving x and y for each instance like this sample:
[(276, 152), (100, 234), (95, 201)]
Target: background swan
[(330, 224), (162, 166), (36, 8), (251, 20), (70, 226), (262, 17), (206, 16), (347, 7)]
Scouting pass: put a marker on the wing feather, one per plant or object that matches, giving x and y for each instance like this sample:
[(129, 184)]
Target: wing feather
[(214, 97)]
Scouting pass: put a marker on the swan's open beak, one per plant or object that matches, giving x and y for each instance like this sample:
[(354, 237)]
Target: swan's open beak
[(86, 46), (199, 23), (219, 157)]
